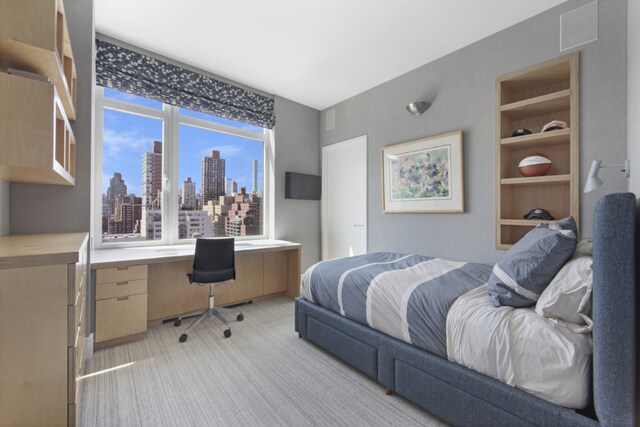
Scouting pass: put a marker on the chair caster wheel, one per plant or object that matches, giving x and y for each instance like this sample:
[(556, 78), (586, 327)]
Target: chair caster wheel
[(227, 333), (177, 322), (240, 317), (183, 337)]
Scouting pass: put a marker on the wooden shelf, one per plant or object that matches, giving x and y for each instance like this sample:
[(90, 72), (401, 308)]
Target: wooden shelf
[(533, 180), (36, 39), (523, 222), (37, 144), (529, 99), (544, 104), (537, 140)]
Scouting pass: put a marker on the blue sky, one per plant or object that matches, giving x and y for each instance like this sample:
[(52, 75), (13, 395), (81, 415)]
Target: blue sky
[(126, 137)]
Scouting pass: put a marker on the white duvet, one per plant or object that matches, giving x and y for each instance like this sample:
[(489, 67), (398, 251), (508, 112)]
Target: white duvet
[(520, 348)]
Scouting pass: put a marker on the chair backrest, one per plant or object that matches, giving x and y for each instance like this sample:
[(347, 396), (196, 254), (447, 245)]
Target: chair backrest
[(214, 260)]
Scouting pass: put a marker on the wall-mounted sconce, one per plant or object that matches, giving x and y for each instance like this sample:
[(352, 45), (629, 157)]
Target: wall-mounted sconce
[(594, 182), (418, 107)]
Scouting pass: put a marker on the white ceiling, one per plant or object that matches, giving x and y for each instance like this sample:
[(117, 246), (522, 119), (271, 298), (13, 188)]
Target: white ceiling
[(317, 53)]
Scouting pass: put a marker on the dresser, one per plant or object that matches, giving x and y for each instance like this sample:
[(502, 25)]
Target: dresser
[(43, 315)]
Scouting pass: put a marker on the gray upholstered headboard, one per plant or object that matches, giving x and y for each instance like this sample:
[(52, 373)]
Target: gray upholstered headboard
[(614, 309)]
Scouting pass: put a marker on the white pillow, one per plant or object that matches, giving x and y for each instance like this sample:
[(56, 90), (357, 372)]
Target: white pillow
[(583, 248), (568, 297)]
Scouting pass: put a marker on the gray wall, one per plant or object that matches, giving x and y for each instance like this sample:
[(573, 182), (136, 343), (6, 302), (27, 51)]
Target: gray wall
[(297, 149), (461, 87), (4, 208), (52, 208), (633, 91)]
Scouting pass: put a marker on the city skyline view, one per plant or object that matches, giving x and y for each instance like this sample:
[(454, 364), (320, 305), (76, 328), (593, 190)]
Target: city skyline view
[(218, 187), (126, 137)]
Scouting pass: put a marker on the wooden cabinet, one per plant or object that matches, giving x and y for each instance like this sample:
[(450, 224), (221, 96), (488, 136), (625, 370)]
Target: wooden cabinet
[(36, 142), (529, 99), (121, 303), (42, 307)]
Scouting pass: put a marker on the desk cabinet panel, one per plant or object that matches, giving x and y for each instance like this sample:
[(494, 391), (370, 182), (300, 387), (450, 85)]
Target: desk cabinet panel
[(121, 302), (120, 317), (42, 311), (121, 273), (248, 283), (170, 293), (121, 288), (276, 272)]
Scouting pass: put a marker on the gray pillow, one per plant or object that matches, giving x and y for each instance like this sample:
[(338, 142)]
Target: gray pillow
[(528, 267)]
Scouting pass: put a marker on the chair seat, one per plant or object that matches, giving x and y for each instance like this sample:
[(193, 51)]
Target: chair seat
[(205, 277)]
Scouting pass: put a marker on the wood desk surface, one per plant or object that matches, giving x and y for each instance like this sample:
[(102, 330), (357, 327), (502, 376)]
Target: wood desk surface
[(27, 250), (111, 257)]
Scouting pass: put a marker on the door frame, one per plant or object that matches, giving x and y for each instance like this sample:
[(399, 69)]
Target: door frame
[(325, 203)]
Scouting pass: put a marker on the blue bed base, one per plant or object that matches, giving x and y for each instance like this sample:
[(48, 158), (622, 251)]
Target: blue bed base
[(462, 396)]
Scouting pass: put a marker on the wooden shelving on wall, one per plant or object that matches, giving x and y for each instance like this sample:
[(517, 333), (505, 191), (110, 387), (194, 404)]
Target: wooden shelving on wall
[(36, 142), (529, 99)]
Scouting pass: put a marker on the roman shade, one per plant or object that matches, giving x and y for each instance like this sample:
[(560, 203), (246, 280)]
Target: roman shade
[(132, 72)]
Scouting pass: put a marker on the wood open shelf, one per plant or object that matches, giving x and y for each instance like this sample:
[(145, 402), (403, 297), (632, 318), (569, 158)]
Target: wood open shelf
[(529, 99), (533, 180), (537, 140), (36, 141), (36, 39), (537, 106)]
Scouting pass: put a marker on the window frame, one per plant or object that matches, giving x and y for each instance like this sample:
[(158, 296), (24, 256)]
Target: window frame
[(172, 120)]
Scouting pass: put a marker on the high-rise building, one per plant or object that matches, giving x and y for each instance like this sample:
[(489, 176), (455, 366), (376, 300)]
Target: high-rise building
[(255, 176), (117, 187), (213, 173), (189, 201), (228, 186), (152, 177)]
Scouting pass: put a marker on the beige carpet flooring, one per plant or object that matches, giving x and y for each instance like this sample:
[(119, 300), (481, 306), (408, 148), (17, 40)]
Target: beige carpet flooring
[(263, 375)]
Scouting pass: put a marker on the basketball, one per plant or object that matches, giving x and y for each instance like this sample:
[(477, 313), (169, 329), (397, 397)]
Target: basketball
[(535, 164)]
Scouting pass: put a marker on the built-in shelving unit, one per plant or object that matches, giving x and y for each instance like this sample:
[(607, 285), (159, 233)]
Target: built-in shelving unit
[(529, 99), (38, 84)]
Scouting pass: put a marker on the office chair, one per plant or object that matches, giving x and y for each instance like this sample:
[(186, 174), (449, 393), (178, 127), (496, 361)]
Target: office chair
[(213, 263)]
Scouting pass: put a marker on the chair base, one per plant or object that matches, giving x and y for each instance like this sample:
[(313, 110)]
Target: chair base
[(210, 313)]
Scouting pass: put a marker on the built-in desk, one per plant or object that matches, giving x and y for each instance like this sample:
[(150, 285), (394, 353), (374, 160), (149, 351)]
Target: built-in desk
[(141, 286)]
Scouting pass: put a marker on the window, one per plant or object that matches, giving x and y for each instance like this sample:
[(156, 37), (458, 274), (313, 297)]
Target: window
[(165, 174)]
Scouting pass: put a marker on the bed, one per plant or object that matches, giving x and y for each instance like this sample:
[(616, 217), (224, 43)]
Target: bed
[(413, 360)]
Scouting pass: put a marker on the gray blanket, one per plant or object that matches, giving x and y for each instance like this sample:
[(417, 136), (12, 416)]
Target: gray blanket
[(405, 296)]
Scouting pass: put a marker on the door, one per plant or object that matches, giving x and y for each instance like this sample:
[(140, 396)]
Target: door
[(344, 198)]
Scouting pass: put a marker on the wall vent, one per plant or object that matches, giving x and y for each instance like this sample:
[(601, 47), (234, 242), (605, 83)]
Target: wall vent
[(579, 26)]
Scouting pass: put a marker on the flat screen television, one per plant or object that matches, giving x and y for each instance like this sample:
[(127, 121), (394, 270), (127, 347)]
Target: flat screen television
[(302, 186)]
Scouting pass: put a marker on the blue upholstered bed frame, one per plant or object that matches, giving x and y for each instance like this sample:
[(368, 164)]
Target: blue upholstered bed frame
[(464, 397)]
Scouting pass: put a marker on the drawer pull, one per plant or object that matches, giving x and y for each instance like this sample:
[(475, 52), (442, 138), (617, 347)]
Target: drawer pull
[(122, 267), (122, 298), (124, 282)]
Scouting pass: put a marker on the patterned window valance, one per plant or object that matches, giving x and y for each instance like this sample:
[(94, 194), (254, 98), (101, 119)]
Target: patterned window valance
[(128, 71)]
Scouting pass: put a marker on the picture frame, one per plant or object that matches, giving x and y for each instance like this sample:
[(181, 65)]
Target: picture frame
[(424, 176)]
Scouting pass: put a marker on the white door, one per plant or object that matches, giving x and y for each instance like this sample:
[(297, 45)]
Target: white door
[(344, 198)]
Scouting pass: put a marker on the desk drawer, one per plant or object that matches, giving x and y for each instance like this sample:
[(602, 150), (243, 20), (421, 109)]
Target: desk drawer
[(121, 273), (121, 288), (120, 317)]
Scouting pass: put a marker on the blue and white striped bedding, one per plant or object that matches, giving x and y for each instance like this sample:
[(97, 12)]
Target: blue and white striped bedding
[(405, 296)]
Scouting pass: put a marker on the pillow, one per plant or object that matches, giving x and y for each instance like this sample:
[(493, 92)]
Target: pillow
[(583, 248), (568, 296), (526, 269)]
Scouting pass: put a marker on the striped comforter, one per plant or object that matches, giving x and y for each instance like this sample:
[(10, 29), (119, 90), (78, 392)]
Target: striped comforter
[(405, 296)]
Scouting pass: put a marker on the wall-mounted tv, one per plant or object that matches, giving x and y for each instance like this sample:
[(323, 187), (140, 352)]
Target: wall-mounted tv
[(302, 186)]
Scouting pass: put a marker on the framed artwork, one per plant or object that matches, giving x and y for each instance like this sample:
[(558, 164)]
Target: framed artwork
[(425, 175)]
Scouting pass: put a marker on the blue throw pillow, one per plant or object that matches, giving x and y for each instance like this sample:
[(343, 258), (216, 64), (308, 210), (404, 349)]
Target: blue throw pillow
[(528, 267)]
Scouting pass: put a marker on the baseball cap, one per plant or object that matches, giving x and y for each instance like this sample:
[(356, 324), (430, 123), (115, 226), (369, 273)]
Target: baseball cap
[(538, 214), (554, 124), (521, 131)]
